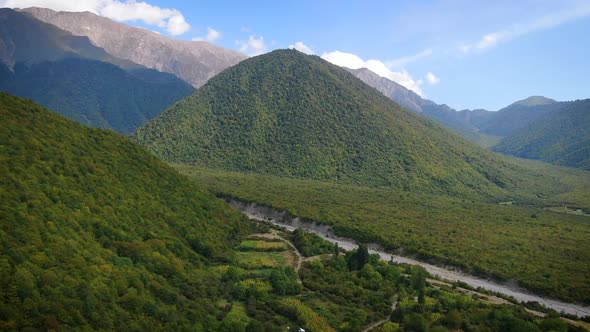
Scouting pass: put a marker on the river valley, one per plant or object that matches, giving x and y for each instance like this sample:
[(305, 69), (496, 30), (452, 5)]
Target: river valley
[(283, 219)]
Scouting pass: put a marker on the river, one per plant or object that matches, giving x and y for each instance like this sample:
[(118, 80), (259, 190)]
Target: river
[(283, 219)]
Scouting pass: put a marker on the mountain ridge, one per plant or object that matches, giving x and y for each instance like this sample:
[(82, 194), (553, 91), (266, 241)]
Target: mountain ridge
[(69, 74), (561, 137), (193, 61), (26, 39)]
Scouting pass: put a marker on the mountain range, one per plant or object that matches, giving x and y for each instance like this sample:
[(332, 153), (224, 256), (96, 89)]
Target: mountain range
[(193, 61), (468, 123), (560, 137), (101, 231), (71, 75), (514, 129)]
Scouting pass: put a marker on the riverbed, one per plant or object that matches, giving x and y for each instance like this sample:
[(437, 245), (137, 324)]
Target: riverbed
[(283, 219)]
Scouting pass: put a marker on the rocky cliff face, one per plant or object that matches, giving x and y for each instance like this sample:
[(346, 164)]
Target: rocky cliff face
[(194, 62)]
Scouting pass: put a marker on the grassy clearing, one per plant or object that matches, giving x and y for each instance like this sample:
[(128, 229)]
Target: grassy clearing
[(237, 315), (260, 245), (257, 260), (545, 251)]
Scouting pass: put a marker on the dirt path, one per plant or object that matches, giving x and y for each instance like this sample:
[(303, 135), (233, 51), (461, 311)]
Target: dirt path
[(387, 319)]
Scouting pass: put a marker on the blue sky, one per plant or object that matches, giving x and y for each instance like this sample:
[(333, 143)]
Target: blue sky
[(467, 54)]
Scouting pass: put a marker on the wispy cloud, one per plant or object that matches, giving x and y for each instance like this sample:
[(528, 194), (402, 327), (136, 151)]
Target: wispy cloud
[(169, 19), (517, 30), (400, 62), (301, 47), (253, 46)]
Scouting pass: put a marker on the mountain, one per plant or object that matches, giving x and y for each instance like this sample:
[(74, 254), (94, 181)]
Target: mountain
[(463, 122), (480, 126), (99, 234), (518, 115), (24, 39), (69, 74), (193, 61), (561, 137), (289, 114), (96, 93), (398, 93)]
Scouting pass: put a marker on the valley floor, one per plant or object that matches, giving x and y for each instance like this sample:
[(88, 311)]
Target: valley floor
[(484, 239)]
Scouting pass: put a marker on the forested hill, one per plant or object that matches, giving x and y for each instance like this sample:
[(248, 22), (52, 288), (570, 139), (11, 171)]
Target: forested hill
[(561, 137), (96, 233), (289, 114)]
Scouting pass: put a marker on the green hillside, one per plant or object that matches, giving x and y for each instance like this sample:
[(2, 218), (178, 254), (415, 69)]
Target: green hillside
[(518, 115), (562, 137), (96, 93), (96, 233), (289, 114)]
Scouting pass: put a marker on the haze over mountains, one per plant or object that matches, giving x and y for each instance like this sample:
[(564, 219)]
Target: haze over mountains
[(193, 61)]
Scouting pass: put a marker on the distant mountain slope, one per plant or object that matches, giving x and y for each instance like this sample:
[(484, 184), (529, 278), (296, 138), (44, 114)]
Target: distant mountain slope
[(99, 234), (519, 115), (194, 62), (561, 137), (96, 93), (24, 39), (289, 114), (67, 73), (480, 126), (461, 122)]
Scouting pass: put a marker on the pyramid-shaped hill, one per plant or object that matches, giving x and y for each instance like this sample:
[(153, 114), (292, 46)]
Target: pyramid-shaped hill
[(290, 114), (97, 233)]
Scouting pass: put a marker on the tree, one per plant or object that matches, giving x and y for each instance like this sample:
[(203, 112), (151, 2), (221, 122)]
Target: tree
[(416, 323)]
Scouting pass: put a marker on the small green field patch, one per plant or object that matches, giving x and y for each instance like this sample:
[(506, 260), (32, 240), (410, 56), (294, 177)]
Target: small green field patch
[(258, 260), (259, 245)]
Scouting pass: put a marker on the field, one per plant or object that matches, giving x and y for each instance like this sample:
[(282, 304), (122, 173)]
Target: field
[(545, 251), (255, 260), (259, 245)]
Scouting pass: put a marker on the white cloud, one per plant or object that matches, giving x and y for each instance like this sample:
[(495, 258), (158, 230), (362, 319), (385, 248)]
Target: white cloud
[(212, 35), (546, 22), (253, 46), (400, 62), (353, 61), (166, 18), (301, 47), (432, 79)]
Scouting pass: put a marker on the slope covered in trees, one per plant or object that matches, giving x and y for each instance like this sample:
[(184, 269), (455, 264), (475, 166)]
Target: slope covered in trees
[(561, 137), (97, 233), (96, 93), (289, 114)]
